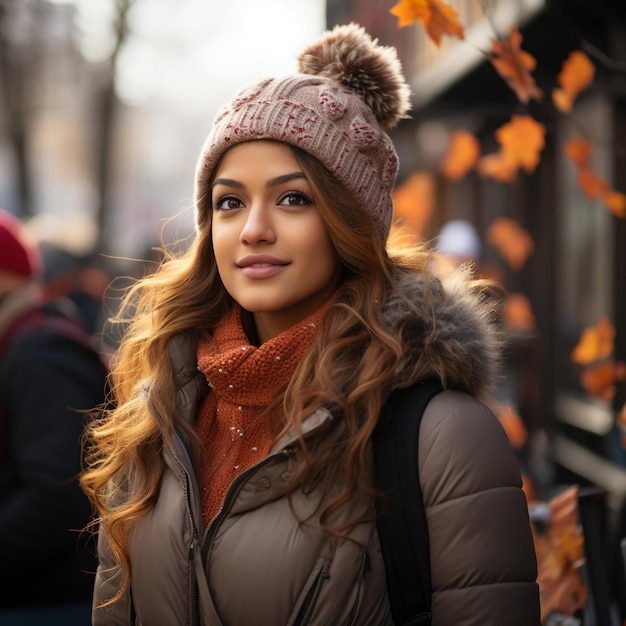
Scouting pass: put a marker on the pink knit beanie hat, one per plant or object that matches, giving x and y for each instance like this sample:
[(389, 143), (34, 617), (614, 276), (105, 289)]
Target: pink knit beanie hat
[(348, 92), (19, 253)]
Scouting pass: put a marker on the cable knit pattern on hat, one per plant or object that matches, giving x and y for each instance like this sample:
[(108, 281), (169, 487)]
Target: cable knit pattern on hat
[(350, 90), (244, 380)]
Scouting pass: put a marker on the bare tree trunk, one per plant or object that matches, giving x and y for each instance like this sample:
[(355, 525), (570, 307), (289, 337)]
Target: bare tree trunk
[(109, 106), (15, 92)]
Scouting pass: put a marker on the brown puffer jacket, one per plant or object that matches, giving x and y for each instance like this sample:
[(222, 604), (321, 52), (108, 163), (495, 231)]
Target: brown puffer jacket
[(257, 566)]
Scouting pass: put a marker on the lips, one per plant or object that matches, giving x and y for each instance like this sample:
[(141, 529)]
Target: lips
[(261, 266)]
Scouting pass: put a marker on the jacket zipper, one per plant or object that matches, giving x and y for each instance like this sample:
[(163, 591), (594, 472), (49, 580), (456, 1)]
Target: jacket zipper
[(233, 490), (286, 451), (209, 533), (193, 594), (312, 594), (194, 553)]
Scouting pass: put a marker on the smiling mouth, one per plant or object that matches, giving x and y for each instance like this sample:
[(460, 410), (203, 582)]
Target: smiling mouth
[(262, 270), (259, 260)]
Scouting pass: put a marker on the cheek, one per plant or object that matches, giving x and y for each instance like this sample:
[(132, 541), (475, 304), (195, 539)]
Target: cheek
[(321, 248), (220, 242)]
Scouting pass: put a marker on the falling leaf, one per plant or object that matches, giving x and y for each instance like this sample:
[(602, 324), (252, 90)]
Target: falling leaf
[(566, 595), (513, 425), (592, 184), (615, 202), (496, 166), (518, 313), (522, 140), (599, 380), (578, 150), (461, 156), (562, 100), (515, 65), (560, 549), (435, 15), (410, 11), (576, 75), (414, 202), (511, 240), (596, 342)]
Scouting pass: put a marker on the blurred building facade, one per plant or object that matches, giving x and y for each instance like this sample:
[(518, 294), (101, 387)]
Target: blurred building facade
[(51, 141), (577, 271)]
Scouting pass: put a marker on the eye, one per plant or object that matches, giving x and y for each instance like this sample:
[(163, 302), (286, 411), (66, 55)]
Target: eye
[(294, 198), (227, 203)]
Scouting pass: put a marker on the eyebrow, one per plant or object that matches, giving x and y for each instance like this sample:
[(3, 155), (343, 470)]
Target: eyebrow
[(285, 178), (273, 182)]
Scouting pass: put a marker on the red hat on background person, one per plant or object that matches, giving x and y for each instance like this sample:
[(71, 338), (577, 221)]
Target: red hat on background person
[(19, 253)]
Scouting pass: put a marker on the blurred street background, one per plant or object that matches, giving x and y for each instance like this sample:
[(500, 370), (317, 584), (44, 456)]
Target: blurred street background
[(105, 105)]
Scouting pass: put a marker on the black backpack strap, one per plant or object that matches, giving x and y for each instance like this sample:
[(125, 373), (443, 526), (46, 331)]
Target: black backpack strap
[(402, 525)]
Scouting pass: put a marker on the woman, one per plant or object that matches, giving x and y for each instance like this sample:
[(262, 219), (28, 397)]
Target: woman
[(233, 476)]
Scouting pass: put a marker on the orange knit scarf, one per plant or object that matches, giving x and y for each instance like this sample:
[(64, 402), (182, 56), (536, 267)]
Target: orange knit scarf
[(244, 380)]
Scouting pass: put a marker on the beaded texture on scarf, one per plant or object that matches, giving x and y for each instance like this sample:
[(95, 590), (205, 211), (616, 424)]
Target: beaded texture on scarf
[(244, 379)]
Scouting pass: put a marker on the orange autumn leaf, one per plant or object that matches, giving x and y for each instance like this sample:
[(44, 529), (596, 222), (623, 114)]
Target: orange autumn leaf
[(578, 150), (596, 342), (615, 201), (511, 240), (599, 380), (562, 100), (576, 75), (515, 65), (496, 166), (518, 313), (565, 594), (435, 15), (593, 185), (461, 156), (522, 140), (560, 550), (414, 202)]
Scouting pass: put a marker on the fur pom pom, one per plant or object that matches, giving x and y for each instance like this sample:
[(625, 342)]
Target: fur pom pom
[(350, 56)]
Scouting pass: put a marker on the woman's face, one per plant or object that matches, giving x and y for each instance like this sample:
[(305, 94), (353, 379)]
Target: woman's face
[(272, 248)]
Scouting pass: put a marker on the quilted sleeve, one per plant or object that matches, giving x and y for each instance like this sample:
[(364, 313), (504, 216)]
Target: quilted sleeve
[(106, 586), (483, 564)]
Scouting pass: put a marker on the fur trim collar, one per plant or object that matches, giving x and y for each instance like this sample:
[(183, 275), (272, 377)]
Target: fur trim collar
[(448, 330)]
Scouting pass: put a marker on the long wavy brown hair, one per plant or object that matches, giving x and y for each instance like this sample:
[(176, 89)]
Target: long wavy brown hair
[(348, 369)]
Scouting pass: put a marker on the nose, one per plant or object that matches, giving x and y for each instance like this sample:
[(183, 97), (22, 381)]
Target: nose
[(258, 227)]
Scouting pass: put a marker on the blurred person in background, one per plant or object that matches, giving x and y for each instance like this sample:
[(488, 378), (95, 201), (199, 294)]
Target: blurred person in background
[(78, 278), (73, 268), (233, 474), (49, 376)]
